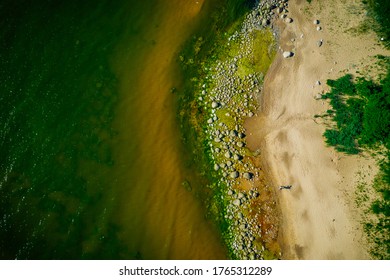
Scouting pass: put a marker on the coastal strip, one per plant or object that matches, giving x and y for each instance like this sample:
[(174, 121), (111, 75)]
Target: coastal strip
[(320, 219), (225, 95)]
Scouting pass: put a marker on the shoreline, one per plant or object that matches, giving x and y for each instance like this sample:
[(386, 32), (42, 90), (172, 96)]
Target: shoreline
[(225, 93), (319, 219)]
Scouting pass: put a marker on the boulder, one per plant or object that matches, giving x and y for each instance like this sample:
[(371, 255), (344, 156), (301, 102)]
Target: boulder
[(288, 54), (316, 21), (214, 104), (237, 202), (288, 20), (240, 144), (234, 174)]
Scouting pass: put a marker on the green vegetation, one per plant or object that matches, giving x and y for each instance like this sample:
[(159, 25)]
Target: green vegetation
[(380, 10), (361, 115)]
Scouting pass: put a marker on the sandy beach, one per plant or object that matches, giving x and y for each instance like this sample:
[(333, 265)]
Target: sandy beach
[(320, 219)]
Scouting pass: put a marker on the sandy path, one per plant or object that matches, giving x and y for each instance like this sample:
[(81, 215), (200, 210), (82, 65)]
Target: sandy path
[(319, 217)]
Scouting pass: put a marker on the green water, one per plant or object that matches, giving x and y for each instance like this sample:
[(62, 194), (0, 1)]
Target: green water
[(58, 96), (76, 178)]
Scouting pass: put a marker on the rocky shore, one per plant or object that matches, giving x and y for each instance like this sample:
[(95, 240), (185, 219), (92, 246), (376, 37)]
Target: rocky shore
[(229, 94)]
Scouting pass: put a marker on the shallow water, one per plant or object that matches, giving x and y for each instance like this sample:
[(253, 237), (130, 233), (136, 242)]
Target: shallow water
[(91, 160)]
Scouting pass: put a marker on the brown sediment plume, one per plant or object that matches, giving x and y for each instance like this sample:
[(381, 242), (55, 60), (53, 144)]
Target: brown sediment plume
[(159, 216)]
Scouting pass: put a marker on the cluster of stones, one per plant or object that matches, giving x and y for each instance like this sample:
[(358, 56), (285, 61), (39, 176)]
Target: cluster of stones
[(229, 96)]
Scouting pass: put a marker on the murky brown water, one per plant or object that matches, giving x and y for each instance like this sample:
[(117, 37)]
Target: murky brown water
[(159, 218)]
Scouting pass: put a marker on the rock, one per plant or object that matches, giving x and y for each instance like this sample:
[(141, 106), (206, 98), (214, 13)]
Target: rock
[(318, 83), (319, 43), (230, 192), (318, 28), (236, 202), (240, 144), (247, 175), (234, 174), (240, 195), (240, 215), (210, 121), (233, 133), (316, 21), (318, 96), (216, 167), (250, 114), (287, 54), (283, 16), (214, 104), (228, 154), (288, 20)]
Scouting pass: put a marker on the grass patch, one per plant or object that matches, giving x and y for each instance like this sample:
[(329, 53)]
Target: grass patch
[(361, 120), (379, 10)]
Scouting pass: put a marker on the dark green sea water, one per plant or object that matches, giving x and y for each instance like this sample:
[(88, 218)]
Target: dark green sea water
[(58, 95), (60, 105)]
